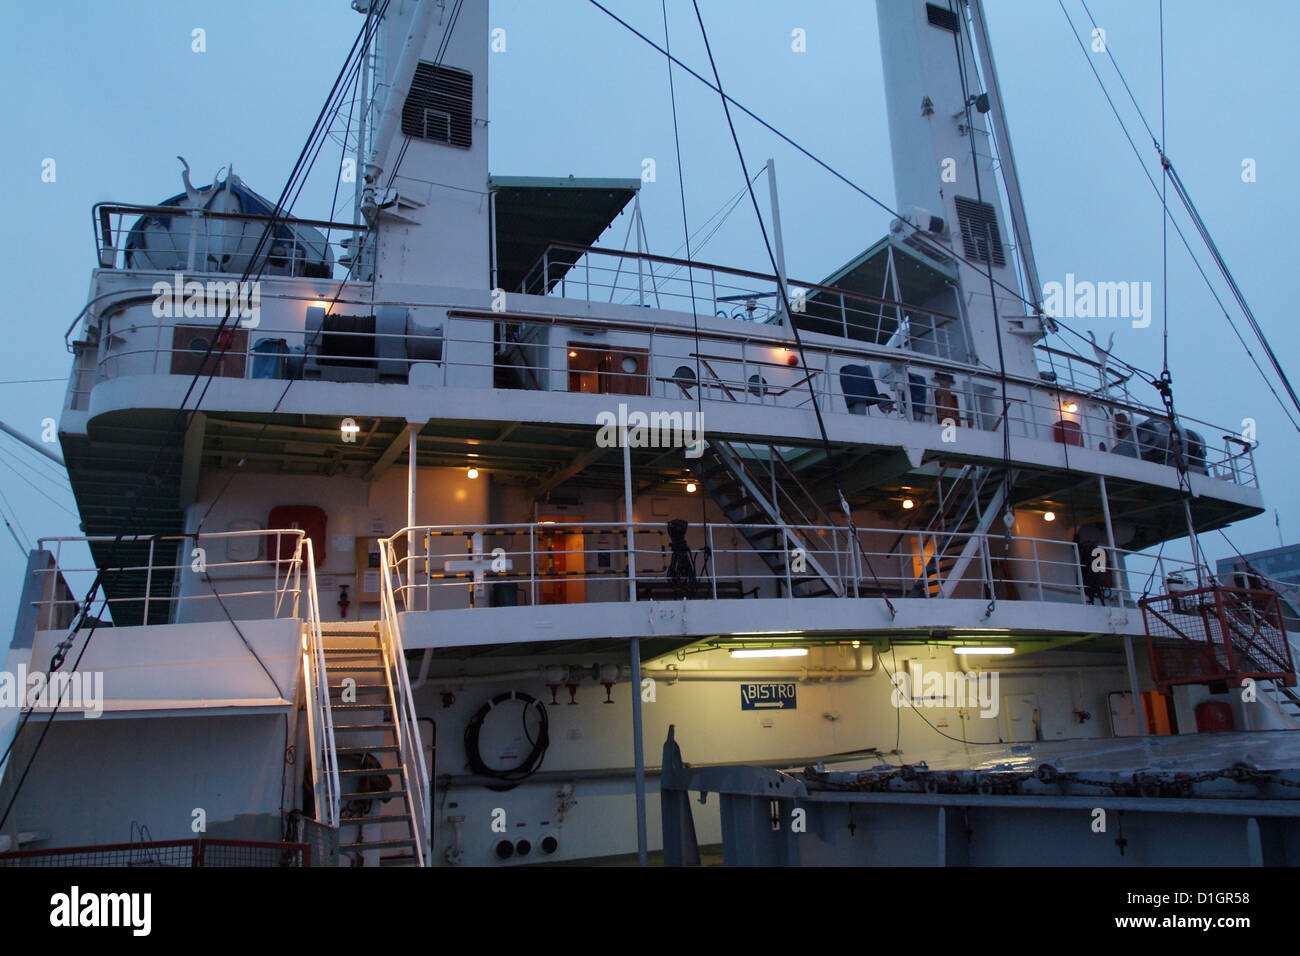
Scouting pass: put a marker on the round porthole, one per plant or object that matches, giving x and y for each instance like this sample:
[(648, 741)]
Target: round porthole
[(758, 385), (630, 365), (505, 850)]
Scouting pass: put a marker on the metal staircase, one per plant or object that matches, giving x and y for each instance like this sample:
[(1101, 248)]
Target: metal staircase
[(736, 488), (382, 798), (975, 498)]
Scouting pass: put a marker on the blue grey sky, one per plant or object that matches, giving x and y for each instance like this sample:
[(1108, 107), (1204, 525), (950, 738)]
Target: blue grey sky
[(113, 92)]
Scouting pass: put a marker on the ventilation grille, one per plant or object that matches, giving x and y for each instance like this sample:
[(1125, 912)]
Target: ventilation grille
[(941, 17), (979, 225), (440, 106)]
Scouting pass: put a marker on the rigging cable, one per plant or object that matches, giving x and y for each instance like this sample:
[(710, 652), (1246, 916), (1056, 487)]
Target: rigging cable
[(784, 300), (706, 551), (1177, 228), (916, 233)]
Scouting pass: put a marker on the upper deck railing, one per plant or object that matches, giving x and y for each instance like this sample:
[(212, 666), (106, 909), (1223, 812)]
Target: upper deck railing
[(215, 242), (592, 274), (895, 356)]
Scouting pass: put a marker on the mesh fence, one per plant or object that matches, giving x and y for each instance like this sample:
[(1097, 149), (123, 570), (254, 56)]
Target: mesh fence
[(1216, 634), (176, 853)]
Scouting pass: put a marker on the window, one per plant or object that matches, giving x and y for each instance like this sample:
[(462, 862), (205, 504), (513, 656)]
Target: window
[(440, 106), (979, 231)]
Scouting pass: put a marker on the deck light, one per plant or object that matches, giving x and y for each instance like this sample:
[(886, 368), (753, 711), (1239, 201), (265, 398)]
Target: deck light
[(908, 504), (348, 427), (472, 473), (982, 649), (690, 487), (1070, 407), (1049, 515), (770, 652), (572, 354)]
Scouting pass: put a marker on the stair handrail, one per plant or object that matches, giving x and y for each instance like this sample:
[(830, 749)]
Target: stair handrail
[(736, 465), (320, 717), (406, 727)]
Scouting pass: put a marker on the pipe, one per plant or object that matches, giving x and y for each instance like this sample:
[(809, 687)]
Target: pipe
[(453, 781), (425, 660), (34, 446), (412, 454), (801, 674), (783, 284), (633, 675), (638, 753), (1139, 710)]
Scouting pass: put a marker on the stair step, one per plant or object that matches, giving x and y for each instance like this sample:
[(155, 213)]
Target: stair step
[(384, 795), (341, 666), (359, 728), (374, 771), (370, 648), (367, 706), (377, 845), (382, 818), (361, 687), (367, 749)]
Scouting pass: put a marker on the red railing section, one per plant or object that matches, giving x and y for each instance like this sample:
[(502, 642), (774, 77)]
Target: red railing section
[(1216, 634)]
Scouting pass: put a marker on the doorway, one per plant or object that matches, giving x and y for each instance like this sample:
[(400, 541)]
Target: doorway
[(562, 560)]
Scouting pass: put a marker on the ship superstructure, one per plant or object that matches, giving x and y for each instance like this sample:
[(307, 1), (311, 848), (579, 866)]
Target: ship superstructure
[(462, 514)]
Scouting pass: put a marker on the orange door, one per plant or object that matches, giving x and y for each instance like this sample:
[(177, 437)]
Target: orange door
[(563, 564)]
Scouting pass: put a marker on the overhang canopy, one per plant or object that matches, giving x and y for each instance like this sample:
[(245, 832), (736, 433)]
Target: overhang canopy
[(533, 211), (921, 279)]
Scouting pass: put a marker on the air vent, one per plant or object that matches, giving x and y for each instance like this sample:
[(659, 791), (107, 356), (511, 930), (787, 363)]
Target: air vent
[(440, 106), (979, 225), (940, 17)]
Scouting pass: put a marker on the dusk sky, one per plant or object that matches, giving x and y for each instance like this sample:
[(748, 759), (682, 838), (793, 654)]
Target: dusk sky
[(113, 92)]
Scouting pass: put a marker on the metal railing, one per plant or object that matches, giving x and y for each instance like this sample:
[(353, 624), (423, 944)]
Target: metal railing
[(326, 787), (406, 728), (276, 579), (654, 358), (586, 562), (612, 276), (210, 242)]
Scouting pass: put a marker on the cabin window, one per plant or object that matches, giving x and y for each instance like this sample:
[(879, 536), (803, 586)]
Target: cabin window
[(440, 106)]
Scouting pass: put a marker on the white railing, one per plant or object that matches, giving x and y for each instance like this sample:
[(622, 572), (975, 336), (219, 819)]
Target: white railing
[(269, 586), (320, 717), (455, 566), (203, 236), (415, 770), (746, 364), (1140, 575), (619, 277)]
